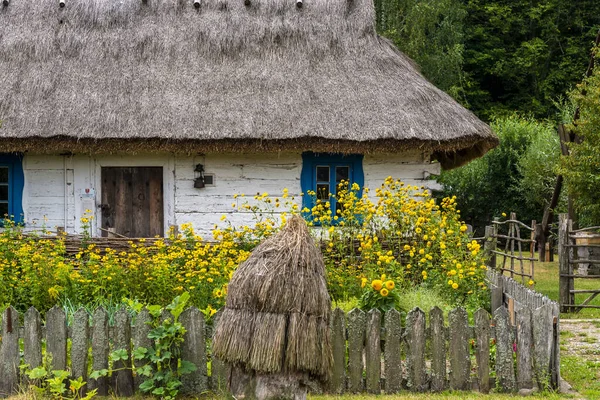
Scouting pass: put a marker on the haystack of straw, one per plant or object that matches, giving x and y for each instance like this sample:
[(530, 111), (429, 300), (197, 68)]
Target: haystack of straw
[(276, 318)]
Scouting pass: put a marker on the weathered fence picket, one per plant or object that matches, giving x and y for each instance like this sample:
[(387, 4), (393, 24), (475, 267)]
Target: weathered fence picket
[(140, 332), (391, 357), (337, 381), (357, 323), (372, 352)]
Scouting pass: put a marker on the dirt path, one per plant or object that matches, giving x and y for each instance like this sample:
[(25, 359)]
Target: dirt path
[(580, 337)]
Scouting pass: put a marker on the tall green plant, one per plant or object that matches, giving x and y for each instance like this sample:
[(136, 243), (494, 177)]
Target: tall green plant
[(582, 168)]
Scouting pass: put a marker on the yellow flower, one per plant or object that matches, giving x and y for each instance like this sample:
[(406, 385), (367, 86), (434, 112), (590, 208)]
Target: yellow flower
[(455, 285), (377, 284), (504, 214), (450, 282), (363, 282), (384, 292), (531, 282), (390, 285)]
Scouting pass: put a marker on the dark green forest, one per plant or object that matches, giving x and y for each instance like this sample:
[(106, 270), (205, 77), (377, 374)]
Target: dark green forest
[(516, 64)]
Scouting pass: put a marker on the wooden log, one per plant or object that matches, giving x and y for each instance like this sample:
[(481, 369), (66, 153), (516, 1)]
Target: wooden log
[(505, 372), (391, 356), (482, 355), (357, 323), (373, 352), (543, 345), (563, 263), (489, 245), (194, 351), (555, 358), (460, 361), (123, 379), (415, 360), (79, 347), (32, 339), (337, 381), (438, 350), (524, 349), (220, 370), (100, 347), (9, 353), (56, 338)]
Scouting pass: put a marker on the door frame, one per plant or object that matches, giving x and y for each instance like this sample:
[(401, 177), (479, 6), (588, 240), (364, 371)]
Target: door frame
[(166, 161)]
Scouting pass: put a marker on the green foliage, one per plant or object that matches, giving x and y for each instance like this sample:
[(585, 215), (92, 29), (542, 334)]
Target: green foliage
[(162, 366), (380, 294), (582, 168), (431, 33), (518, 176), (522, 55), (53, 384)]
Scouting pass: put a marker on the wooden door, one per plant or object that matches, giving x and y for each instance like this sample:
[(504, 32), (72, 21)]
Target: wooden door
[(132, 201)]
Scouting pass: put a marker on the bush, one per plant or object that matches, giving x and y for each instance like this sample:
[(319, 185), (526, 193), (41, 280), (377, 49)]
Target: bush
[(402, 233)]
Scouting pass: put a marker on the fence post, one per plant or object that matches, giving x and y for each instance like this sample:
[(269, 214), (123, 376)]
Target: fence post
[(123, 380), (32, 342), (393, 367), (482, 333), (373, 353), (56, 337), (194, 351), (100, 346), (505, 373), (489, 245), (438, 350), (543, 345), (337, 381), (9, 353), (524, 346), (460, 361), (563, 263), (79, 347), (415, 358), (141, 329), (356, 338)]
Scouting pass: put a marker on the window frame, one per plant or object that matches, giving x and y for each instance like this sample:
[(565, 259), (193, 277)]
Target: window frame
[(16, 184), (308, 178)]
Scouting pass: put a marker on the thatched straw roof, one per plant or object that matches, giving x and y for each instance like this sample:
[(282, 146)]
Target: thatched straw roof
[(162, 74), (276, 317)]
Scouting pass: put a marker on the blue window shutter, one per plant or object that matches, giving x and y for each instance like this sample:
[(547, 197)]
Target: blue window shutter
[(16, 182), (310, 160)]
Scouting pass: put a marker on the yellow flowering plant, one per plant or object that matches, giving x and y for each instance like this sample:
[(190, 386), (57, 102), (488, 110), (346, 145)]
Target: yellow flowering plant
[(380, 294)]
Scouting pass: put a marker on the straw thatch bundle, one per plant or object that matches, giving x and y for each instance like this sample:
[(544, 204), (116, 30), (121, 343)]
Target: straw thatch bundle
[(276, 318), (133, 75)]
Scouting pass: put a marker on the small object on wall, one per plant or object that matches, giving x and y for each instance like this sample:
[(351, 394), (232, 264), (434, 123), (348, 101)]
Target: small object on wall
[(299, 3), (197, 3), (5, 2), (199, 179), (61, 3), (247, 3)]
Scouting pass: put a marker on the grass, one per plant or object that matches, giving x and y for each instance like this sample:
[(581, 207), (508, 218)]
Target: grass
[(583, 375), (546, 278), (439, 396)]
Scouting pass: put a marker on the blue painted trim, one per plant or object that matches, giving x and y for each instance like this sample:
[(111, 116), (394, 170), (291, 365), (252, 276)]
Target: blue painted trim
[(16, 183), (308, 179)]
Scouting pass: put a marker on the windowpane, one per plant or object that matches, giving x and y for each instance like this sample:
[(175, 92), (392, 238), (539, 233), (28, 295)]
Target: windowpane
[(323, 191), (3, 209), (322, 174), (342, 174), (3, 174), (3, 192)]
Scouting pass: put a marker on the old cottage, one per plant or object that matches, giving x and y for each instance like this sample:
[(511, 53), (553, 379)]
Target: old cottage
[(152, 113)]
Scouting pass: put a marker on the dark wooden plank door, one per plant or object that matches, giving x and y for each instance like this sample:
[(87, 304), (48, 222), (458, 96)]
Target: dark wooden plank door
[(132, 201)]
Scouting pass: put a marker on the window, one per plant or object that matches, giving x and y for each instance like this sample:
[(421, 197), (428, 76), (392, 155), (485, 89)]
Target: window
[(11, 186), (323, 172)]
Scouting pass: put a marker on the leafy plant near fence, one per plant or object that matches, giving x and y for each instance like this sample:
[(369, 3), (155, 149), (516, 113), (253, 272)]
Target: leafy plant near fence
[(160, 365), (396, 229)]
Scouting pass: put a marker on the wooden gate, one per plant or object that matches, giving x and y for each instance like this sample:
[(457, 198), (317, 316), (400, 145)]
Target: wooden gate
[(132, 201), (578, 259)]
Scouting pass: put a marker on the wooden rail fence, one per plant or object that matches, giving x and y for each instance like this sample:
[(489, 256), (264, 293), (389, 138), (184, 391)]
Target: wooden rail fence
[(572, 245), (372, 352)]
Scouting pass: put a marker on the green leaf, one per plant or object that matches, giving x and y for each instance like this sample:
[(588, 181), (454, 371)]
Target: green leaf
[(158, 391), (139, 353), (37, 373), (186, 367), (155, 310), (119, 355), (147, 385)]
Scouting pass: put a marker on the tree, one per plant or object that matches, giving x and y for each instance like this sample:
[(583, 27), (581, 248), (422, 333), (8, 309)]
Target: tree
[(581, 168)]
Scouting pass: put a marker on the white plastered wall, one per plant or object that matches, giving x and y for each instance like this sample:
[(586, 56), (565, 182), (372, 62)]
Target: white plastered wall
[(45, 196)]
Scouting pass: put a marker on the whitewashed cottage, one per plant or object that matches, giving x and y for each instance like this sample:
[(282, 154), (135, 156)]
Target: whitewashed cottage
[(153, 113)]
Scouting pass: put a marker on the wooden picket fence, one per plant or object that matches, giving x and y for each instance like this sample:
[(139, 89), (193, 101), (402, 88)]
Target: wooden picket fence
[(372, 353)]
